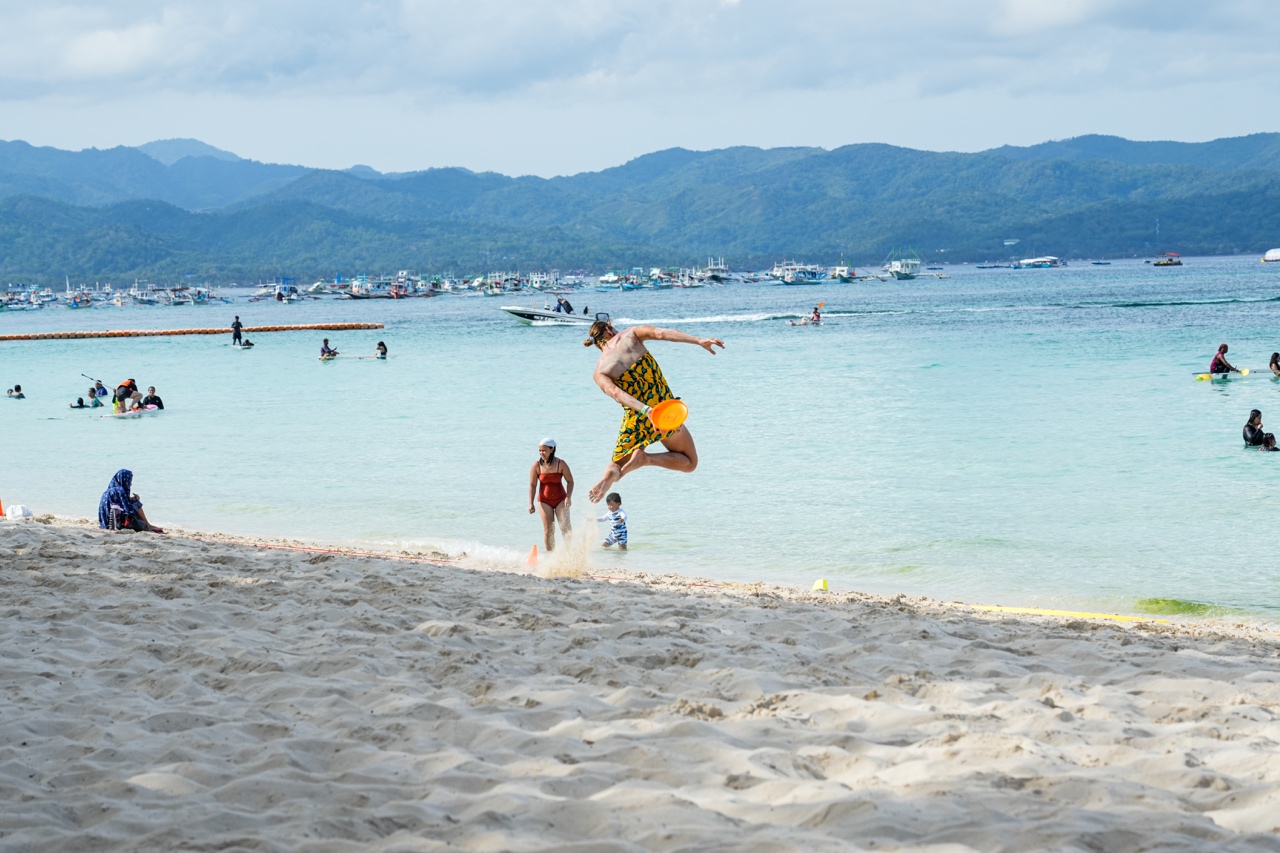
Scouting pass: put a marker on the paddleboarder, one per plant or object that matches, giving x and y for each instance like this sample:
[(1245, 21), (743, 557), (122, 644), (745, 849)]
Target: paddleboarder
[(1220, 363), (235, 331), (628, 372)]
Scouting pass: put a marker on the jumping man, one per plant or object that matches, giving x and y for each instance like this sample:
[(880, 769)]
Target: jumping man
[(628, 373)]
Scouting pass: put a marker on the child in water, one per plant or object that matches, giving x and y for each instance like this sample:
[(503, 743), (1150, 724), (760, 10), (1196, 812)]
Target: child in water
[(617, 518)]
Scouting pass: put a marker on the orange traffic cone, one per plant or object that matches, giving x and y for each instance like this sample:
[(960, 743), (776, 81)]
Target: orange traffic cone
[(532, 562)]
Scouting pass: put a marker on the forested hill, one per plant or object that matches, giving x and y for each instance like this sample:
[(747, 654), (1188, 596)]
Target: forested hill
[(181, 207)]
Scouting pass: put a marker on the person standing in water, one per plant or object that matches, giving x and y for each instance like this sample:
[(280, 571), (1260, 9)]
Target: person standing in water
[(628, 372), (235, 331), (545, 481), (1253, 433), (380, 351), (1220, 363)]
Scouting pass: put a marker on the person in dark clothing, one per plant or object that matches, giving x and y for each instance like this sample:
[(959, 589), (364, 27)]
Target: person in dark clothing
[(151, 399), (1253, 433), (120, 509), (235, 331)]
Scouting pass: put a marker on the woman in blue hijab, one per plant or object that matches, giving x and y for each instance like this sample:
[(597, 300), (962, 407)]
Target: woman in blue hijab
[(120, 509)]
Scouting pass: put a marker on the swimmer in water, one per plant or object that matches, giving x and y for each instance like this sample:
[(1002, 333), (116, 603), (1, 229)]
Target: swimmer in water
[(816, 319), (381, 350), (545, 481), (628, 372), (1268, 443), (1275, 363), (1220, 363), (1253, 429)]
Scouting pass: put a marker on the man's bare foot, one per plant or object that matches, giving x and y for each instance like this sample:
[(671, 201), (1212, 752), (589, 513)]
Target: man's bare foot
[(599, 489), (612, 474)]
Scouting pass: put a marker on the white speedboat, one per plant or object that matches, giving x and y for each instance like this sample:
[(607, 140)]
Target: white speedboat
[(537, 316)]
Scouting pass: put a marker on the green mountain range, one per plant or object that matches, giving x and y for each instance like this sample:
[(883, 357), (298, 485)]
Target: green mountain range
[(181, 207)]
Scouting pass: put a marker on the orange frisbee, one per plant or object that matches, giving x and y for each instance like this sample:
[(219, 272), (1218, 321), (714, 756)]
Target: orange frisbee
[(669, 415)]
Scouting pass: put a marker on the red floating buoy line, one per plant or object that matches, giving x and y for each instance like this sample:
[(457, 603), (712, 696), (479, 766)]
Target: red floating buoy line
[(155, 333)]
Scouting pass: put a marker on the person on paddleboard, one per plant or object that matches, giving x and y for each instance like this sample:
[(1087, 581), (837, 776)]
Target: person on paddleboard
[(235, 331), (816, 319), (628, 372), (1253, 434), (327, 351), (1220, 363)]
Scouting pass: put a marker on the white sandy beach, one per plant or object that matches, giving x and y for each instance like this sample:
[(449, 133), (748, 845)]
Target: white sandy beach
[(167, 692)]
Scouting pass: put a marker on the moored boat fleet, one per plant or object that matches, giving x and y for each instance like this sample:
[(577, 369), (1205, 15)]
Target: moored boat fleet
[(900, 265), (30, 298)]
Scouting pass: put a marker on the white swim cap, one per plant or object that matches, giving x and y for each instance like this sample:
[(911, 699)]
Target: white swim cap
[(548, 442)]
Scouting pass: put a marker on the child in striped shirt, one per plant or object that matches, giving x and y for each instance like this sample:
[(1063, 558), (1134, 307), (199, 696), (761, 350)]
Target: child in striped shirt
[(617, 518)]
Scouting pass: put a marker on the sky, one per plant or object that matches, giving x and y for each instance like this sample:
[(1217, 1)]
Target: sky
[(552, 87)]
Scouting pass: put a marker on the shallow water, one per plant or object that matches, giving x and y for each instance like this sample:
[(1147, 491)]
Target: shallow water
[(1008, 436)]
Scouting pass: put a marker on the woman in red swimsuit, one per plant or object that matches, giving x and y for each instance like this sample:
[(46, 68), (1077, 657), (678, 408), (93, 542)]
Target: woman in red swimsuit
[(553, 498)]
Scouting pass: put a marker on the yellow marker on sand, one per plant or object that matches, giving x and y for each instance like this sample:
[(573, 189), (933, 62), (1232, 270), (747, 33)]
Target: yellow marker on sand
[(820, 583)]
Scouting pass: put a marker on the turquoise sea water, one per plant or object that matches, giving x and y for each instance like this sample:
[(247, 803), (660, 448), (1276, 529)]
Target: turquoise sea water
[(1025, 437)]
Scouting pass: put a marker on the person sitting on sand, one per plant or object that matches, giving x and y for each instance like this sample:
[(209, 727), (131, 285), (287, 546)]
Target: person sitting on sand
[(380, 351), (152, 399), (120, 509), (1220, 363), (545, 480), (617, 518), (1268, 443), (327, 351), (1253, 429), (78, 404), (628, 372)]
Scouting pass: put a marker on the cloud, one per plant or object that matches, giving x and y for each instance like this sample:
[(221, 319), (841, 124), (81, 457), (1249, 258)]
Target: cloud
[(692, 72)]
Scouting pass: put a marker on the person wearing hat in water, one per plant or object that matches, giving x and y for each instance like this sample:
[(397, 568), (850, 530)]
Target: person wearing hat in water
[(628, 372), (553, 495)]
